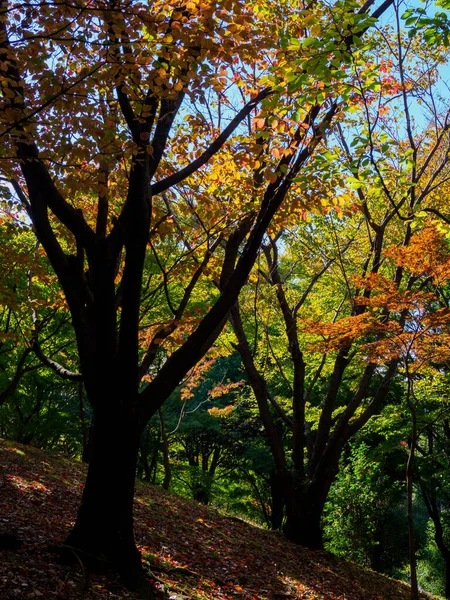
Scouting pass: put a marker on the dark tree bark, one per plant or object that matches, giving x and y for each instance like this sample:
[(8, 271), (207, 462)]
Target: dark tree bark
[(88, 448), (165, 449), (278, 497), (103, 534), (409, 495), (84, 427), (103, 531), (201, 494)]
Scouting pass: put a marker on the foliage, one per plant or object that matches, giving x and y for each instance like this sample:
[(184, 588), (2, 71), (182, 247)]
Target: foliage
[(357, 507)]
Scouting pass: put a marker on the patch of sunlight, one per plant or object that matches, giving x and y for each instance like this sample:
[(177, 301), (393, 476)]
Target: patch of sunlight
[(16, 450), (293, 586), (24, 484)]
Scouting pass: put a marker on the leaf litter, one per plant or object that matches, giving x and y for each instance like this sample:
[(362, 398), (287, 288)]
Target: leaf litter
[(190, 551)]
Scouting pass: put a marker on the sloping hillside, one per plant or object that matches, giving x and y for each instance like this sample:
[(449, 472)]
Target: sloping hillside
[(193, 551)]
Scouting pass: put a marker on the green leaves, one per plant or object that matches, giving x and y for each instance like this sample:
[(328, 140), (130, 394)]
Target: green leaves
[(435, 29)]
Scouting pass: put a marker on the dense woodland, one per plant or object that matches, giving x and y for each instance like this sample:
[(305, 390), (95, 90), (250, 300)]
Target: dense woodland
[(225, 266)]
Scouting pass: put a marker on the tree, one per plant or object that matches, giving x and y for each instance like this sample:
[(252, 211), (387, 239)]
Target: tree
[(100, 107), (331, 391), (212, 428)]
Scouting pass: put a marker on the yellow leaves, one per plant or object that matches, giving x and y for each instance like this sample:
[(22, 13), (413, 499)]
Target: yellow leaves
[(233, 28), (221, 412), (191, 6), (308, 19)]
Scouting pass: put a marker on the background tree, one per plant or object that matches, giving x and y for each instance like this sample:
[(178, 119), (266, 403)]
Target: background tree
[(394, 177)]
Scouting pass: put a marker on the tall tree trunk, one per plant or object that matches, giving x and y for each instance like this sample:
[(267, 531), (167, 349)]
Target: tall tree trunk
[(103, 531), (305, 503), (165, 449), (153, 468), (303, 519), (277, 492), (87, 450), (409, 494), (84, 434)]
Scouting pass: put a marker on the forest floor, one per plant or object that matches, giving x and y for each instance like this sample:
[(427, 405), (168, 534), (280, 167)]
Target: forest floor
[(193, 552)]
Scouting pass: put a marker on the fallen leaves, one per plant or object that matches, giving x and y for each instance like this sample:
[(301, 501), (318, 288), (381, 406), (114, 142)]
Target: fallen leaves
[(193, 552)]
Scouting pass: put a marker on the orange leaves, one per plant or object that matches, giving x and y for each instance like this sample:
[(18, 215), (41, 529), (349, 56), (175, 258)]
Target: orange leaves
[(221, 412), (270, 175), (390, 323), (343, 332), (394, 323), (419, 333), (193, 379), (391, 86), (225, 388), (385, 295), (259, 123), (425, 339), (427, 255)]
